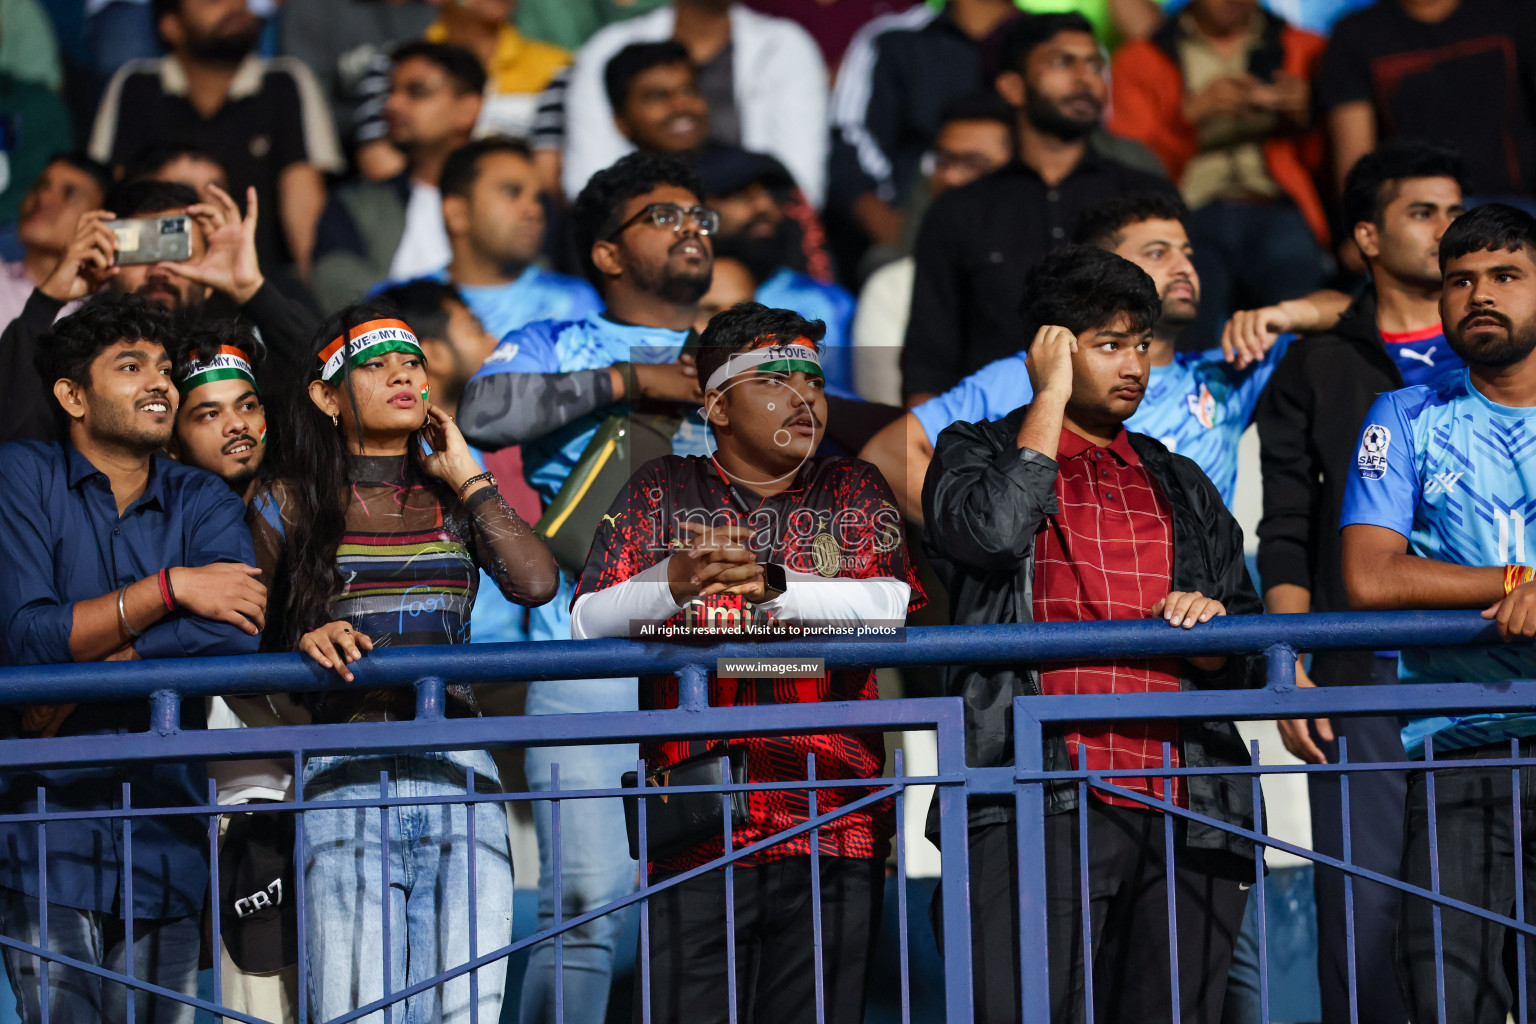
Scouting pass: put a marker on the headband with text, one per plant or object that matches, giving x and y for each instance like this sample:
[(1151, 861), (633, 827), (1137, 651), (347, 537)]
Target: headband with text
[(770, 357), (365, 342), (229, 363)]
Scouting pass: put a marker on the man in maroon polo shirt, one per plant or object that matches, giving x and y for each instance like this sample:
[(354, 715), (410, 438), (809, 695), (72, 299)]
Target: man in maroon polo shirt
[(1056, 513)]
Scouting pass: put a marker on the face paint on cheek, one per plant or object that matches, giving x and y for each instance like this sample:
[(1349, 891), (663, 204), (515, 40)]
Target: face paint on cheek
[(262, 439), (426, 391)]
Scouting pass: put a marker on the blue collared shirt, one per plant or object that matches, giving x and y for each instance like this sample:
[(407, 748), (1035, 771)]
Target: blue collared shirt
[(62, 541)]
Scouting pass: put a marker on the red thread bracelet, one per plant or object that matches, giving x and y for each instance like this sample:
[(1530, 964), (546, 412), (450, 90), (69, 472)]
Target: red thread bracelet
[(165, 589)]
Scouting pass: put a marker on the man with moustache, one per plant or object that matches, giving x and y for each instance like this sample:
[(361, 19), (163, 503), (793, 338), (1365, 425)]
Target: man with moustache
[(1435, 515), (223, 266), (1197, 403), (1056, 513), (221, 427), (113, 552), (977, 243), (264, 120), (766, 533), (1398, 201), (549, 387)]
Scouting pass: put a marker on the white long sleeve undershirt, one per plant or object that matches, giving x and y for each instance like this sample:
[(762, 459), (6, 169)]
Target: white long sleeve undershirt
[(646, 597)]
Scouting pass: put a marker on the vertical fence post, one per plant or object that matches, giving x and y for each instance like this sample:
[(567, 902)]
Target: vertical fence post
[(1280, 667), (693, 688), (165, 712), (42, 898), (1029, 808), (955, 871), (431, 697)]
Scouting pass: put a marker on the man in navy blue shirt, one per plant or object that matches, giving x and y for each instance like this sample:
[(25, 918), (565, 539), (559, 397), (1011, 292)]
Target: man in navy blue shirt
[(112, 552)]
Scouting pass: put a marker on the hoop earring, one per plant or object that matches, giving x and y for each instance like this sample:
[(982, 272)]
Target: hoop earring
[(335, 422)]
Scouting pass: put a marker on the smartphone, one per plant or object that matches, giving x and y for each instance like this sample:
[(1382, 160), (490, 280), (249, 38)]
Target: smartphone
[(153, 239)]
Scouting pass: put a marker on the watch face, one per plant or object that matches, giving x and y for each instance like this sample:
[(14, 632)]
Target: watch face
[(773, 575)]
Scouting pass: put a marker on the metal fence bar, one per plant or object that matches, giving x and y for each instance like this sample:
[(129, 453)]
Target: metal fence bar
[(645, 905), (128, 906), (386, 898), (471, 810), (1259, 890), (1170, 874), (300, 897), (557, 885), (1434, 876), (42, 904), (1083, 885), (817, 959), (216, 938), (903, 953), (1522, 1001), (727, 842), (1034, 929), (1350, 966)]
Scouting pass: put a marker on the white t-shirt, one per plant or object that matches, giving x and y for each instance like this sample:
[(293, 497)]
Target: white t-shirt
[(424, 245)]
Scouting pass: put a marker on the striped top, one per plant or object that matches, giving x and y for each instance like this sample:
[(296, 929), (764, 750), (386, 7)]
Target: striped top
[(409, 559)]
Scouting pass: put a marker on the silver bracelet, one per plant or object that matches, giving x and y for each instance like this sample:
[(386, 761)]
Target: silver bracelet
[(122, 616)]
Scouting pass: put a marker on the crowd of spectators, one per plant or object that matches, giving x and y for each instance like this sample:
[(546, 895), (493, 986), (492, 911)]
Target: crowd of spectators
[(319, 316)]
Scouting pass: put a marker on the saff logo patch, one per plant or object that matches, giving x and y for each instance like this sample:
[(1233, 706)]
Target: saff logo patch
[(1372, 458)]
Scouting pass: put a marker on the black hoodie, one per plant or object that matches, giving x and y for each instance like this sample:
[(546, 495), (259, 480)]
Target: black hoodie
[(1309, 421)]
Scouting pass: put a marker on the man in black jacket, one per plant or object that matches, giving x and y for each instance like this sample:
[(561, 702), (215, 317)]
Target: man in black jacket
[(1057, 513), (1398, 201), (223, 265)]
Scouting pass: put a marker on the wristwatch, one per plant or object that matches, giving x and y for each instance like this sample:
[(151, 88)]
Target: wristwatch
[(774, 579)]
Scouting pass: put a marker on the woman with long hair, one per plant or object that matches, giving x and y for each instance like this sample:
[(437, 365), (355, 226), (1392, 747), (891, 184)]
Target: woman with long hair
[(370, 531)]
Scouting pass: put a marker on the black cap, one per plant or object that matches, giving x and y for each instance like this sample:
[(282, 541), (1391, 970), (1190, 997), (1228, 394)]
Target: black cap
[(726, 170)]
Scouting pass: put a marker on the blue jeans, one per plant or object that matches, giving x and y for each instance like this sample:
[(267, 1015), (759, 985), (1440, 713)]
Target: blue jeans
[(594, 859), (164, 952), (429, 890)]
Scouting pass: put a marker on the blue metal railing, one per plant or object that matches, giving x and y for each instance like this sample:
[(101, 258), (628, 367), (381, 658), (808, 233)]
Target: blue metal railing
[(428, 669)]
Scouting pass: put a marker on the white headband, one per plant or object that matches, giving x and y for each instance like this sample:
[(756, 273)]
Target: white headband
[(798, 355)]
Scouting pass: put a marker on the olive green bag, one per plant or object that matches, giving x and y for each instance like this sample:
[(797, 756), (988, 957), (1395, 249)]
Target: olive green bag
[(621, 445)]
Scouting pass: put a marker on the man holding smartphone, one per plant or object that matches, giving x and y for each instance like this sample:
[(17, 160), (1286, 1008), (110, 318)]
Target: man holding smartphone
[(221, 247)]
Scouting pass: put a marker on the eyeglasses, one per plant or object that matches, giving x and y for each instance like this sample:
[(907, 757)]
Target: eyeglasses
[(670, 215)]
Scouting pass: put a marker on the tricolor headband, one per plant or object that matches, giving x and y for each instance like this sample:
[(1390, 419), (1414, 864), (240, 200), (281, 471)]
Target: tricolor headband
[(364, 342), (799, 354), (229, 363)]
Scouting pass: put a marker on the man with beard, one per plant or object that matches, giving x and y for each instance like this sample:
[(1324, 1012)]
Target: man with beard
[(264, 120), (1196, 403), (750, 191), (1057, 513), (1435, 516), (393, 230), (113, 552), (978, 242), (549, 387), (1398, 202), (223, 265)]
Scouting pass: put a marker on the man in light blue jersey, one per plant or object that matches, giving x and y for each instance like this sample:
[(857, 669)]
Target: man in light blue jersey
[(1435, 516), (1196, 404), (549, 387), (494, 215)]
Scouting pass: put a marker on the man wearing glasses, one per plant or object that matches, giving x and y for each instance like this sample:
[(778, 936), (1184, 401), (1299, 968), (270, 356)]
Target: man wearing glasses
[(551, 387)]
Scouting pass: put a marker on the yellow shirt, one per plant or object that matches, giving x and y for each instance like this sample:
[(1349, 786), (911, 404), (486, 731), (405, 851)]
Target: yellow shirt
[(519, 69)]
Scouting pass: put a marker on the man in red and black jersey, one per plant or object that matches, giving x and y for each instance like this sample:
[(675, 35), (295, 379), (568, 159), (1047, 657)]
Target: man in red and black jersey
[(760, 535)]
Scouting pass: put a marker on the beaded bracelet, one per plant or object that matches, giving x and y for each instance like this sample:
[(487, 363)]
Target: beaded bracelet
[(467, 484)]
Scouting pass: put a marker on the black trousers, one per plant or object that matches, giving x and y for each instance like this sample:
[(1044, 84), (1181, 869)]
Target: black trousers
[(775, 956), (1475, 826), (1128, 906), (1376, 802)]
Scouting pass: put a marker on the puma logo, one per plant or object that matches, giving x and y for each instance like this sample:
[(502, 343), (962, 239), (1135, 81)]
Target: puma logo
[(1427, 358), (610, 519)]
